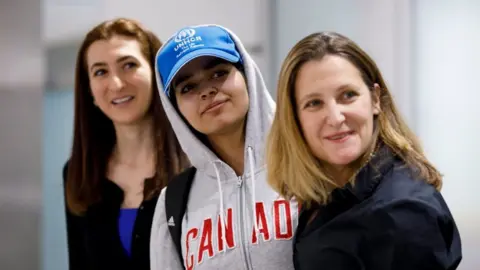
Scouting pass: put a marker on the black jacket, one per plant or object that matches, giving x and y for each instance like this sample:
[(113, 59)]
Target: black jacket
[(93, 239), (386, 221)]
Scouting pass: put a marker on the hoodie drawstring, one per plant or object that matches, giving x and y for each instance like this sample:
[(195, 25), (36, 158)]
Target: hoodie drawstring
[(252, 175), (222, 208), (220, 191)]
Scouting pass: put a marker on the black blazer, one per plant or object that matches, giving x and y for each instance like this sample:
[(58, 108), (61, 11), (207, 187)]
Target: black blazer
[(93, 239), (386, 221)]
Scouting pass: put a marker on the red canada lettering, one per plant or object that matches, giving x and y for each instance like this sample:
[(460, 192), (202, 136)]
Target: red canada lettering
[(282, 230), (192, 234), (206, 240), (277, 216), (228, 229), (262, 224)]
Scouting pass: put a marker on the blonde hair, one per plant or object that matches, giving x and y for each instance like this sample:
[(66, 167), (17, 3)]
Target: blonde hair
[(293, 171)]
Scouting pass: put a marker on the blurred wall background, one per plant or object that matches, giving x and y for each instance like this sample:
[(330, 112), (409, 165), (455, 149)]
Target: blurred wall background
[(446, 90), (427, 50), (21, 88)]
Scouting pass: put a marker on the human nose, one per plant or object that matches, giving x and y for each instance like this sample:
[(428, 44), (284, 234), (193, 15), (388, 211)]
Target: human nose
[(208, 90), (115, 83), (335, 116)]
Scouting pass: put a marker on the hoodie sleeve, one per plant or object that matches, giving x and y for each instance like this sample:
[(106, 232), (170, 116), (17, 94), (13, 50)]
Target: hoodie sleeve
[(163, 255), (416, 235)]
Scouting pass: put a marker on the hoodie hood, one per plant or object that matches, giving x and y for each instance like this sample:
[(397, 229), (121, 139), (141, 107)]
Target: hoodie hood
[(259, 118)]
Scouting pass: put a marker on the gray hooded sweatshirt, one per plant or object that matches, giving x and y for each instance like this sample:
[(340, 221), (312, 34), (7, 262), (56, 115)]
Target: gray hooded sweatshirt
[(222, 203)]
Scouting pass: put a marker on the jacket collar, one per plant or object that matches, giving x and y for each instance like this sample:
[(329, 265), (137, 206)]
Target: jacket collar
[(368, 178), (363, 187)]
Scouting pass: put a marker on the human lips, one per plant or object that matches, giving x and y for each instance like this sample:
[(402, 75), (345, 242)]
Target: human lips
[(213, 105), (121, 100), (339, 136)]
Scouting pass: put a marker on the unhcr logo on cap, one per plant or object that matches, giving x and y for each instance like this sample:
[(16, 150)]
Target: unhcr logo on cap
[(191, 42), (183, 34), (186, 40)]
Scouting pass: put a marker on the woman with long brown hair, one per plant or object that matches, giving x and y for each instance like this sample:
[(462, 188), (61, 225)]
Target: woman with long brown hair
[(370, 197), (124, 149)]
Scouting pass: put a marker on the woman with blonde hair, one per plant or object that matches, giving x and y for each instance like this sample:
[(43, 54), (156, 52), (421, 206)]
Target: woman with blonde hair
[(370, 197)]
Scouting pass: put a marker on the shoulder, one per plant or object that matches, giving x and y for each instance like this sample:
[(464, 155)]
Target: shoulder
[(162, 197), (420, 228), (422, 221), (65, 171), (400, 184), (65, 176), (403, 213), (404, 199), (400, 197), (405, 209), (174, 195), (179, 187), (159, 215)]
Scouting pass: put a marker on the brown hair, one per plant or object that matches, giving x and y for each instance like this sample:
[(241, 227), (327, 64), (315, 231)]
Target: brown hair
[(94, 134), (293, 170)]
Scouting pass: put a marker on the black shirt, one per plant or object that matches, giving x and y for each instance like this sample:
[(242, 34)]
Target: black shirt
[(386, 221), (94, 240)]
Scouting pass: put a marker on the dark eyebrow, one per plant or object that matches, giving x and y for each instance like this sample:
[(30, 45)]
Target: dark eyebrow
[(209, 65), (120, 59)]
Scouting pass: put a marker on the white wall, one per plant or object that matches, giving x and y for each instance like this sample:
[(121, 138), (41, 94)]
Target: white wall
[(66, 22), (22, 57), (447, 95), (380, 27)]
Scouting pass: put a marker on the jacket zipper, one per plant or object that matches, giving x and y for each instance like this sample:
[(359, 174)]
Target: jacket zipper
[(243, 233)]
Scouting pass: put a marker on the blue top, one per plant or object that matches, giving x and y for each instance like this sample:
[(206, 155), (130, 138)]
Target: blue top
[(126, 221)]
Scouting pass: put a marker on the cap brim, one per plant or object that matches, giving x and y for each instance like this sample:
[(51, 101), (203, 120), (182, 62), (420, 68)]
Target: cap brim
[(195, 54)]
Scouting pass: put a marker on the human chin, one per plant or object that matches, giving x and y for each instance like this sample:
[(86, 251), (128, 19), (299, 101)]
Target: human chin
[(125, 120), (221, 124), (344, 155), (127, 117)]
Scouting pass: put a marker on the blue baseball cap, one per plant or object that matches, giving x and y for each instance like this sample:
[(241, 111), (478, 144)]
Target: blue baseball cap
[(190, 43)]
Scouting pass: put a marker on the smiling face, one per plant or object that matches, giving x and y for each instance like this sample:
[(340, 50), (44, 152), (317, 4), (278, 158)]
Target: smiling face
[(120, 79), (212, 95), (335, 110)]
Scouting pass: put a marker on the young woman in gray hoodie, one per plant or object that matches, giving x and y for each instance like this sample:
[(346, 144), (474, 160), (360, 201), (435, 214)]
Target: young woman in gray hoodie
[(216, 100)]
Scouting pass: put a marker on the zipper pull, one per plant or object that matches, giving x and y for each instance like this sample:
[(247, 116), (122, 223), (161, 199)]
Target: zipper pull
[(239, 182)]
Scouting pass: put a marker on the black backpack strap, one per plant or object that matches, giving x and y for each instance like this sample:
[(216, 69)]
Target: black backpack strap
[(176, 199)]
